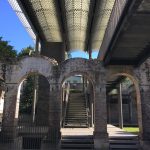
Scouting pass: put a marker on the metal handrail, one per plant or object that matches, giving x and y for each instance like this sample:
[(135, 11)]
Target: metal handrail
[(86, 104), (66, 103)]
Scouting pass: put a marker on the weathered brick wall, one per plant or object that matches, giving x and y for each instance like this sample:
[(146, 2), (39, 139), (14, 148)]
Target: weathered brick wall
[(143, 74)]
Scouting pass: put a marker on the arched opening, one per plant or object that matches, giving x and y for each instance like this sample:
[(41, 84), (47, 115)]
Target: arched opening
[(2, 93), (77, 101), (32, 111), (33, 101), (123, 103)]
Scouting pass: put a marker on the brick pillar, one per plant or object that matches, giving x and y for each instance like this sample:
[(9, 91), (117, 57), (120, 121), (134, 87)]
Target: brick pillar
[(11, 109), (42, 104), (100, 124), (145, 106), (55, 114), (143, 74)]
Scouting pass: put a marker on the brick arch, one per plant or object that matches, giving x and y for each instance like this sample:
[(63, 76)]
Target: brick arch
[(32, 65), (130, 74), (78, 66), (15, 74)]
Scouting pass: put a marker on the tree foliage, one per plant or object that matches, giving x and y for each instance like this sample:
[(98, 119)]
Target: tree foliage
[(6, 51), (7, 54), (27, 95), (25, 51)]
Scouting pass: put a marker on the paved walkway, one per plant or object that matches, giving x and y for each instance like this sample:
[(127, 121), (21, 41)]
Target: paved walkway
[(113, 131)]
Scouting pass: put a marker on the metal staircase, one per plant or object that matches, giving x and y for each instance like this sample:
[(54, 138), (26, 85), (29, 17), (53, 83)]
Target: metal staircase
[(76, 114)]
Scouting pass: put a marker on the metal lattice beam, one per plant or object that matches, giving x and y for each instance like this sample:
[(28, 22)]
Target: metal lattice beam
[(101, 18)]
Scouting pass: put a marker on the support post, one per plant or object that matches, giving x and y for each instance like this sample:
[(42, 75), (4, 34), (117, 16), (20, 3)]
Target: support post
[(10, 112), (55, 115), (130, 110), (35, 97), (83, 79), (100, 124), (90, 53), (143, 103), (120, 106), (37, 49)]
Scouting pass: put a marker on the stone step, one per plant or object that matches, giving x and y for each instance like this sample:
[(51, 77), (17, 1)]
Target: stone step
[(77, 142), (77, 118), (76, 114), (124, 143), (77, 111)]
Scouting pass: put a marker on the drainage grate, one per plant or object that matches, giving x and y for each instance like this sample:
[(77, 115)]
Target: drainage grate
[(31, 143)]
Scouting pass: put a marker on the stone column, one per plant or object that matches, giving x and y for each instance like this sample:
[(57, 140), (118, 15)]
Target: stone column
[(143, 74), (42, 104), (130, 110), (120, 106), (145, 106), (100, 124), (11, 110), (55, 114)]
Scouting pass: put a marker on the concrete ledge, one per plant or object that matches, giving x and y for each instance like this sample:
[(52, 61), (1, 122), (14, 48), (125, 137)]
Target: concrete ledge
[(100, 144), (145, 145), (101, 141)]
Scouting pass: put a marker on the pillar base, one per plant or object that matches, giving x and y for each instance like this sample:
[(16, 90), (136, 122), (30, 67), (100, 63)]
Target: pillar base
[(101, 141), (144, 145), (54, 136), (8, 132)]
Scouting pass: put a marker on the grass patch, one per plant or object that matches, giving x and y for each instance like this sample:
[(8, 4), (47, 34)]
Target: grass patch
[(134, 130), (75, 91)]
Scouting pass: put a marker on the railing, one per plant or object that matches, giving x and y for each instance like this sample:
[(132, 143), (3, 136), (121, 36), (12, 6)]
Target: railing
[(115, 17), (31, 137), (66, 103), (87, 105)]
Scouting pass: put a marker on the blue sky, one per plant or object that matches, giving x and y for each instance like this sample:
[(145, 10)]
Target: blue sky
[(12, 30)]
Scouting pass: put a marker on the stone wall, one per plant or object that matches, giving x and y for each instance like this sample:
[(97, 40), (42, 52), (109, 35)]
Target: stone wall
[(55, 74)]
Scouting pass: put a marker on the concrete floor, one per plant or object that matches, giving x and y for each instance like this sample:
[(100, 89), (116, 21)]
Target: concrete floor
[(113, 131)]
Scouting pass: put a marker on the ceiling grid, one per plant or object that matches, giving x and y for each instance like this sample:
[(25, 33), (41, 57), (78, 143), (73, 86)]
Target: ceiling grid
[(77, 12), (46, 13), (101, 18)]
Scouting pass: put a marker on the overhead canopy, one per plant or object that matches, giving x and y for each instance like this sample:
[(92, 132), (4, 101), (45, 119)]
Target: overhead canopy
[(77, 12), (101, 18), (81, 24)]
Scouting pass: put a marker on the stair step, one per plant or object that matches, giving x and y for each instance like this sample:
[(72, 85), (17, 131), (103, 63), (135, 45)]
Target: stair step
[(124, 143), (77, 142), (124, 146), (76, 114)]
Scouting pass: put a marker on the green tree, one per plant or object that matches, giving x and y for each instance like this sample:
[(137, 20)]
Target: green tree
[(6, 51), (25, 51), (27, 95)]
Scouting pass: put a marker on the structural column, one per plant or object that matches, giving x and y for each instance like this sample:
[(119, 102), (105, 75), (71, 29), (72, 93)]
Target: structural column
[(55, 114), (145, 106), (11, 110), (100, 124), (130, 110), (143, 100), (120, 106), (42, 104)]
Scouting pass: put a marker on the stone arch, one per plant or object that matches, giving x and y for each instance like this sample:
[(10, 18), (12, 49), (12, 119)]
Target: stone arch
[(29, 65), (19, 71), (76, 66), (130, 74)]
